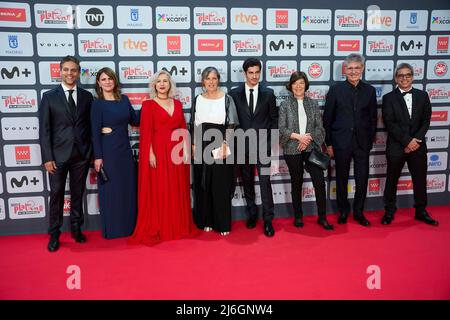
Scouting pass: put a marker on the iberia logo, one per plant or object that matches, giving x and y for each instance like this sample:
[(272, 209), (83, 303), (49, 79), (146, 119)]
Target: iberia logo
[(210, 45), (13, 14), (348, 45)]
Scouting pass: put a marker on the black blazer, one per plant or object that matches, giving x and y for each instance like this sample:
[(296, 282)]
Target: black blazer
[(265, 115), (342, 119), (58, 130), (400, 127)]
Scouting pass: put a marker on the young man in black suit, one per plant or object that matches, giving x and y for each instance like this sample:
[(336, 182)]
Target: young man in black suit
[(257, 110), (350, 119), (406, 114), (65, 138)]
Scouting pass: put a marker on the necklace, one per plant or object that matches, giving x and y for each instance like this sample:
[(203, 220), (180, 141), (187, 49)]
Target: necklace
[(167, 98)]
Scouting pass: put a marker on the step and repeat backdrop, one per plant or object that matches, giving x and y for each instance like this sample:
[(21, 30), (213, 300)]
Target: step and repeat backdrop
[(137, 38)]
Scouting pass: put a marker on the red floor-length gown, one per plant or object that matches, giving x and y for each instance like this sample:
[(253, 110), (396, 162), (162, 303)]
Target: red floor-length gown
[(164, 205)]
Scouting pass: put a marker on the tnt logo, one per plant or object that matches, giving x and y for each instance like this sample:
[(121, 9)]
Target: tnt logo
[(281, 18), (174, 44), (23, 155)]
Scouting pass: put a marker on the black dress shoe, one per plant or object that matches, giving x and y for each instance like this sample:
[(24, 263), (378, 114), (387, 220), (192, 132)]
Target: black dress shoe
[(362, 220), (424, 216), (342, 218), (53, 244), (324, 223), (78, 236), (298, 222), (268, 229), (387, 218), (251, 222)]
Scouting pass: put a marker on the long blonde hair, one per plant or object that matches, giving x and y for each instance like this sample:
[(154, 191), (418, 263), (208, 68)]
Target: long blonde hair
[(152, 84)]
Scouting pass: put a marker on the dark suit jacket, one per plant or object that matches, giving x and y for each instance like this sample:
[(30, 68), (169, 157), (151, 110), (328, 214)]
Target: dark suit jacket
[(342, 118), (265, 115), (400, 127), (58, 130)]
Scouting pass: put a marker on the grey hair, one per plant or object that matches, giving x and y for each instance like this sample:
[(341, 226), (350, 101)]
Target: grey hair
[(354, 57), (207, 71), (404, 65), (152, 84)]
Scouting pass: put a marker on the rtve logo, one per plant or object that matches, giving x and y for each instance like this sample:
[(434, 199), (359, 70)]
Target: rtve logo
[(131, 44), (246, 19)]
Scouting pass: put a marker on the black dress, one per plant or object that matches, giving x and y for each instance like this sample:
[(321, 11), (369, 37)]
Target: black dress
[(213, 189), (117, 197)]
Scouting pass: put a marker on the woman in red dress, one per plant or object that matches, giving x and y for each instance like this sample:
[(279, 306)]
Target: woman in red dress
[(164, 204)]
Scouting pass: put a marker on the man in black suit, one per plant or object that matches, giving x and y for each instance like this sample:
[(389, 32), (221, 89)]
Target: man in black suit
[(65, 138), (257, 110), (350, 119), (406, 114)]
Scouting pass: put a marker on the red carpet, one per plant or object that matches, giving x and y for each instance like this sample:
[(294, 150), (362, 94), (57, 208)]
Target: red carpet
[(306, 263)]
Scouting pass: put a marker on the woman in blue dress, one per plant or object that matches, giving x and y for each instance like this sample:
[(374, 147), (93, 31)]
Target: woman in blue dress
[(111, 113)]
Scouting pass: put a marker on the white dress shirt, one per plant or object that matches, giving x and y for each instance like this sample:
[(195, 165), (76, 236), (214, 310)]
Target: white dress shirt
[(210, 110), (301, 116), (408, 101), (66, 92), (255, 95)]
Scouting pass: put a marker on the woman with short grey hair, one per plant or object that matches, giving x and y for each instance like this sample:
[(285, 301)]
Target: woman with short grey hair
[(301, 130), (213, 182)]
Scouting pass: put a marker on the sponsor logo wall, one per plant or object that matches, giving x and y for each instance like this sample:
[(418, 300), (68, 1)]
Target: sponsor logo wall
[(138, 40)]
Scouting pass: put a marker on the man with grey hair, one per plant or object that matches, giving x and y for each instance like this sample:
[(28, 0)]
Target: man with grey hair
[(350, 119), (406, 114)]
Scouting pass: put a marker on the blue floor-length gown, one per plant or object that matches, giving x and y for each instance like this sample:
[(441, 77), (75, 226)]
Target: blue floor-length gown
[(117, 196)]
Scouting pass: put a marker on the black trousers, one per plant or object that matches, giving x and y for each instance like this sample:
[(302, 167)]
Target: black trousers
[(248, 180), (417, 165), (361, 173), (296, 163), (77, 166)]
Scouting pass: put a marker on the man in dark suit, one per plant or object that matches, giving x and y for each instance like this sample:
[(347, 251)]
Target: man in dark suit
[(65, 138), (350, 119), (256, 108), (406, 114)]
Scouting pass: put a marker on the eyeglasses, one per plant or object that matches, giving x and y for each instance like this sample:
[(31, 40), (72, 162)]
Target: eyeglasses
[(405, 75)]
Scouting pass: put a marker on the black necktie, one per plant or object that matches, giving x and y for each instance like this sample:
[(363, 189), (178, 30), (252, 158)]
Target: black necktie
[(406, 92), (250, 103), (72, 106)]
